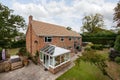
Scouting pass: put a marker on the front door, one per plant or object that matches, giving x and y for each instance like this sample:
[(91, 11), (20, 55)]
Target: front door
[(46, 61)]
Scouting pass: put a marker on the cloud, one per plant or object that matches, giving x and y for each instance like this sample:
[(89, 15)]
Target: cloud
[(66, 13)]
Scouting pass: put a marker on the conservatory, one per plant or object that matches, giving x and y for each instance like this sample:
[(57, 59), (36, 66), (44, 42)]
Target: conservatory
[(54, 58)]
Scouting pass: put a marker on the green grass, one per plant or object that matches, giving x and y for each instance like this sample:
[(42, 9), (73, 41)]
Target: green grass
[(13, 51), (85, 71)]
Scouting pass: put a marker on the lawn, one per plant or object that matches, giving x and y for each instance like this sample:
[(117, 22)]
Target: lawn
[(85, 71), (13, 51)]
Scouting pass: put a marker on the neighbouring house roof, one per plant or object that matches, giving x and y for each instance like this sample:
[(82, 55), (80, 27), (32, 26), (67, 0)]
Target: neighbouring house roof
[(47, 29), (54, 50)]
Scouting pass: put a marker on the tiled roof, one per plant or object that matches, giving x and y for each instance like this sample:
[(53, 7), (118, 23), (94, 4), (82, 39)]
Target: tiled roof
[(47, 29)]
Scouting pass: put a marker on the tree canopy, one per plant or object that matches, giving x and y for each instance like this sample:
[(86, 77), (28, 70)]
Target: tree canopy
[(10, 24), (92, 22), (117, 14)]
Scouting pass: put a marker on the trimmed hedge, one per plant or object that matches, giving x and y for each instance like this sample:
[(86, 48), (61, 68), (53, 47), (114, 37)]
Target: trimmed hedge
[(104, 38)]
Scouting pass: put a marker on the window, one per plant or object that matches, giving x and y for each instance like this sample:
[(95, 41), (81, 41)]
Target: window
[(61, 59), (48, 39), (41, 55), (67, 57), (62, 39), (70, 39), (51, 61), (57, 60)]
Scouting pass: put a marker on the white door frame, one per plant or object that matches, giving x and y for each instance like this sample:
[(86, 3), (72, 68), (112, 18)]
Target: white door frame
[(45, 61)]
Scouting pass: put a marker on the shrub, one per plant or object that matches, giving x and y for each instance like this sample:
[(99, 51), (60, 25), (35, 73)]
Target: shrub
[(17, 44), (22, 51), (0, 53), (97, 47), (117, 60), (117, 44), (0, 50), (87, 48), (35, 58), (113, 54)]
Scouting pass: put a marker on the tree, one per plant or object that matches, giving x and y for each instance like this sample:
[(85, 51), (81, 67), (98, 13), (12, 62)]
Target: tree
[(94, 58), (10, 24), (117, 14), (90, 23), (117, 44), (69, 28)]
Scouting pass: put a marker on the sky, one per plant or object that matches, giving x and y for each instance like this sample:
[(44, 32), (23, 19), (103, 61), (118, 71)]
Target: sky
[(63, 12)]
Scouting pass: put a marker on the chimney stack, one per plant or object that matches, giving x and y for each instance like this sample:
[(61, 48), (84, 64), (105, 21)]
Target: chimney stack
[(30, 18)]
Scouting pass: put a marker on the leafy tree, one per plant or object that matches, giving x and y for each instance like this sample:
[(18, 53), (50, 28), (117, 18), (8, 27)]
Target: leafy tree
[(69, 28), (91, 22), (117, 14), (94, 58), (117, 44), (10, 24)]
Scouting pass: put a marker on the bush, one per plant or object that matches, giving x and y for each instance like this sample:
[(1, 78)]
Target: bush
[(0, 53), (35, 58), (22, 51), (87, 48), (117, 44), (117, 60), (17, 44), (97, 47), (113, 54), (0, 49)]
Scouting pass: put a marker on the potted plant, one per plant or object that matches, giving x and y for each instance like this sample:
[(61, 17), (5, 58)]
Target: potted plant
[(25, 61)]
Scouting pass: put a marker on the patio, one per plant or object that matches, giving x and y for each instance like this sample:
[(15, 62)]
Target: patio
[(33, 72)]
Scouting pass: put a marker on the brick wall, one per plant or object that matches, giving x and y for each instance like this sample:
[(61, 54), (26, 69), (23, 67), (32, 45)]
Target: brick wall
[(59, 67), (68, 44), (31, 39)]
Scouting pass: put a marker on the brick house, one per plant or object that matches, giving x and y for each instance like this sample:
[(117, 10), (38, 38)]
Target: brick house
[(39, 34)]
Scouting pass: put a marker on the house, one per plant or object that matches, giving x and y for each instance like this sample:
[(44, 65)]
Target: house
[(41, 34)]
